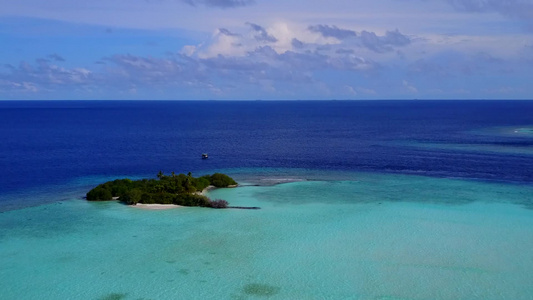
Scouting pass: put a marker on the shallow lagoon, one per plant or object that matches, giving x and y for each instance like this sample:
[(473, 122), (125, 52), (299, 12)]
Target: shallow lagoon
[(350, 236)]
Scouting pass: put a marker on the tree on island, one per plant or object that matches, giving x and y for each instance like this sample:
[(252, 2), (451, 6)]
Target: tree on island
[(222, 180), (178, 189)]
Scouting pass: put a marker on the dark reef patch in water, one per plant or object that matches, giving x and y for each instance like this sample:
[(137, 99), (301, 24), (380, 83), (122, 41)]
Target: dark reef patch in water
[(263, 290), (184, 271), (114, 296)]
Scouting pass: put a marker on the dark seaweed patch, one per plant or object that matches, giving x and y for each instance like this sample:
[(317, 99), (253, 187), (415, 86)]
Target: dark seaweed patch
[(114, 296), (184, 271), (262, 290)]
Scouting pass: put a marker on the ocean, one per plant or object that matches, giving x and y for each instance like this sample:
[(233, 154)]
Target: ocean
[(359, 200)]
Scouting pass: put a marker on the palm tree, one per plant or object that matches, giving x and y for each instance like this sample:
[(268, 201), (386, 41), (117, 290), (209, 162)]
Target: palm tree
[(160, 175)]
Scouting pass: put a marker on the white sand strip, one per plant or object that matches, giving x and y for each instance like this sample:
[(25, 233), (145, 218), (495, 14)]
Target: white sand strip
[(156, 206)]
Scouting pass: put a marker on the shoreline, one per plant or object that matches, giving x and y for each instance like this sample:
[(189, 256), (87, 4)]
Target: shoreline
[(207, 189), (157, 206), (212, 187)]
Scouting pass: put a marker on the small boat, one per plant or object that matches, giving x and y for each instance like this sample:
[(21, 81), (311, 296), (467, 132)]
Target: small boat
[(205, 156)]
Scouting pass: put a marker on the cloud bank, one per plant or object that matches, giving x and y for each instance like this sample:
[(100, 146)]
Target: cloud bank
[(243, 49)]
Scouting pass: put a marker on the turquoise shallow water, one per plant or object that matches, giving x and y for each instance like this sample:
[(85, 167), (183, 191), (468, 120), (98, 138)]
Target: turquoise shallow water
[(349, 236)]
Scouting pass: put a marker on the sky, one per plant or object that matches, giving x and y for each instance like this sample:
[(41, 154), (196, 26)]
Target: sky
[(266, 49)]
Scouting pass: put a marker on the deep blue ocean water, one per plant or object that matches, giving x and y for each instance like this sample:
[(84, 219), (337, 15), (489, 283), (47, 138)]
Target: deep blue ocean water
[(53, 142), (47, 143)]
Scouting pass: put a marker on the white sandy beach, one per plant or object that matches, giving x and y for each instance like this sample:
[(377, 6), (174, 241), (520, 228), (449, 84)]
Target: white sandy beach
[(156, 206), (204, 191), (171, 206), (212, 187)]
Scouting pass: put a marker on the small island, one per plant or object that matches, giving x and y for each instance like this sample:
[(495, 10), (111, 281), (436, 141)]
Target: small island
[(177, 189)]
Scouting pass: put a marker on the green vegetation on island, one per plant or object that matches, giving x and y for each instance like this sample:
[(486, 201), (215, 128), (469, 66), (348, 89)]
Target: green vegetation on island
[(179, 189)]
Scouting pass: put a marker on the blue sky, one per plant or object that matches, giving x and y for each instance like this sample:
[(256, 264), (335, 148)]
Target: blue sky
[(266, 49)]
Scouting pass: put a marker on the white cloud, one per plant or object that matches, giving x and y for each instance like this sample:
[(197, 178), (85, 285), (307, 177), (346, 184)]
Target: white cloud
[(188, 50), (261, 35), (366, 91), (437, 47), (350, 90), (358, 49), (409, 87)]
